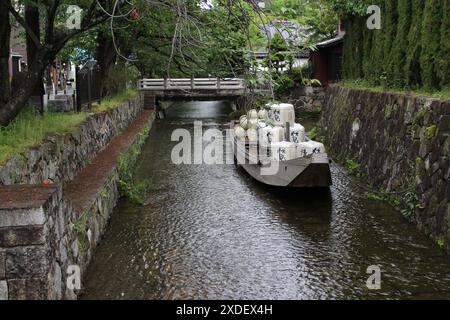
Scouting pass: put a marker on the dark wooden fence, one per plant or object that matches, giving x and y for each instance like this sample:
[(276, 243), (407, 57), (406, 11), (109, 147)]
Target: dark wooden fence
[(88, 84)]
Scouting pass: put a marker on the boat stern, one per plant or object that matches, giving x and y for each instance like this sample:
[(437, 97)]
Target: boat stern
[(316, 174)]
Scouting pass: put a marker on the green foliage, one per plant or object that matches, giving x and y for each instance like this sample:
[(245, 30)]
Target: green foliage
[(279, 54), (442, 58), (134, 190), (317, 17), (397, 58), (430, 132), (369, 85), (409, 52), (440, 242), (411, 203), (352, 167), (431, 40), (313, 134), (114, 101), (295, 77), (352, 7), (283, 83), (353, 46), (412, 72), (375, 196), (80, 227), (119, 78), (389, 28), (30, 129)]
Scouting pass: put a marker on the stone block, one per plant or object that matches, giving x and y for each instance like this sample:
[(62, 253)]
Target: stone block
[(2, 265), (27, 262), (3, 290), (21, 236), (21, 217), (27, 289), (61, 103)]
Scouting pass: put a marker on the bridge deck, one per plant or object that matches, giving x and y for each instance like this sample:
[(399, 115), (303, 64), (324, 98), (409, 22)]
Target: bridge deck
[(194, 87)]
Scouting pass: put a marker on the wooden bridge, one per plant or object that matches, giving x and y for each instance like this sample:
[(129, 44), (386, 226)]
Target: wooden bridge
[(193, 88)]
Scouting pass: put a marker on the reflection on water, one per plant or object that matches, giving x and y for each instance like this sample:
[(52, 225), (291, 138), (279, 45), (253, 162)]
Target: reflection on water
[(211, 232)]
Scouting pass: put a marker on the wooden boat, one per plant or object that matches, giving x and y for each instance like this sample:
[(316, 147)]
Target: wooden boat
[(310, 171)]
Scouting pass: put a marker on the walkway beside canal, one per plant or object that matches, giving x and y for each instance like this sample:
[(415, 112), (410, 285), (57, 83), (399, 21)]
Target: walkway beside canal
[(49, 230)]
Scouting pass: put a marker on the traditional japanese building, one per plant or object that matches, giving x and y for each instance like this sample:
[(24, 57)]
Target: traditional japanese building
[(326, 61)]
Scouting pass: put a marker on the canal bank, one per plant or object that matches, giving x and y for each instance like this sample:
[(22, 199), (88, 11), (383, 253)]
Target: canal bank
[(57, 200), (400, 146), (211, 232)]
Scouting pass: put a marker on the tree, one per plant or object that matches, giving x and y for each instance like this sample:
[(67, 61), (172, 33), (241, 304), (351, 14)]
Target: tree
[(389, 30), (32, 19), (398, 53), (431, 39), (412, 72), (5, 31), (55, 38), (443, 62), (278, 53)]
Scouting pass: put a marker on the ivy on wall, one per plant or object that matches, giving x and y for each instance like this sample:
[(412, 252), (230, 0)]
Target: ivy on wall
[(411, 50)]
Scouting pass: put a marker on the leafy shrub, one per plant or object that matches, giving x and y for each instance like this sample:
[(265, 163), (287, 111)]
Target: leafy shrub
[(352, 167)]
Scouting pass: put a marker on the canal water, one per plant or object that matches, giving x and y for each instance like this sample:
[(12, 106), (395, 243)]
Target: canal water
[(211, 232)]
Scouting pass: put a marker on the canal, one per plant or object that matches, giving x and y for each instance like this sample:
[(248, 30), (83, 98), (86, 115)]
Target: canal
[(210, 232)]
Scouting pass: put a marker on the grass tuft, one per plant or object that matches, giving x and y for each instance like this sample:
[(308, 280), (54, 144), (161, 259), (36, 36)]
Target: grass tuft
[(112, 102), (30, 128), (366, 85)]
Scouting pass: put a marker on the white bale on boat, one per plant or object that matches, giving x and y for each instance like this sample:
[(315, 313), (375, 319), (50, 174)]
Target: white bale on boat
[(252, 123), (262, 114), (283, 151), (261, 124), (264, 135), (282, 113), (243, 122), (268, 135), (239, 132), (309, 147), (318, 147), (277, 134), (297, 133), (252, 114), (252, 135)]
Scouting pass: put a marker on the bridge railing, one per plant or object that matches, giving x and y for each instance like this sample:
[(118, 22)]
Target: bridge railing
[(192, 84)]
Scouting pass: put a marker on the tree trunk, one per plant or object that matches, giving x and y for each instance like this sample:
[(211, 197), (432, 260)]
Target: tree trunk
[(32, 19), (106, 56), (12, 108), (5, 33)]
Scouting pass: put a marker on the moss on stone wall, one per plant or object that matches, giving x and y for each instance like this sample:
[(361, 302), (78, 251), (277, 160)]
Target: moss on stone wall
[(128, 186), (430, 132)]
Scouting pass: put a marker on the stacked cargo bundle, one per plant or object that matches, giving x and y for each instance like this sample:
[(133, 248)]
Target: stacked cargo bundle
[(275, 129)]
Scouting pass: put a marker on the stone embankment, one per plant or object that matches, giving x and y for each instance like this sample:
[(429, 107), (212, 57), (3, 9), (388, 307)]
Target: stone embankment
[(401, 145), (48, 232)]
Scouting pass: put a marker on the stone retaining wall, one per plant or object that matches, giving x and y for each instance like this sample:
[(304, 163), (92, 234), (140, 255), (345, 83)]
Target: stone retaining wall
[(45, 234), (306, 99), (43, 237), (60, 157), (402, 144)]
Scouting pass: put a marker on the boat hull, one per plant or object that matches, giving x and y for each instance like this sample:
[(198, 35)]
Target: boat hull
[(308, 172)]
